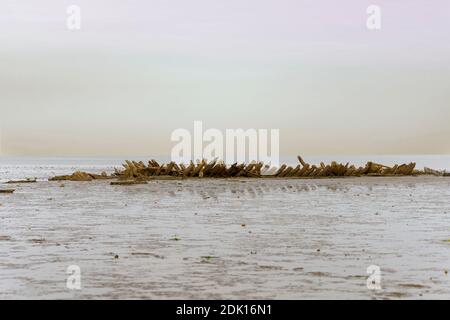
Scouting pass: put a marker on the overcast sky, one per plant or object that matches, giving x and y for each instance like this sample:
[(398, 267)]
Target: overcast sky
[(137, 70)]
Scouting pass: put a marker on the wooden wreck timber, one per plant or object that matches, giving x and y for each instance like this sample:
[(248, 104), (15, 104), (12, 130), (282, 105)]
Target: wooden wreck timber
[(127, 182), (139, 171), (28, 180), (7, 190), (435, 172), (81, 176)]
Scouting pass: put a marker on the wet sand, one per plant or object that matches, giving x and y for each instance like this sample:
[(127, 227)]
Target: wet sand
[(230, 239)]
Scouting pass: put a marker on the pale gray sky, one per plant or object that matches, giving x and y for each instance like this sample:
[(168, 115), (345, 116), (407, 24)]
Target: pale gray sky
[(137, 70)]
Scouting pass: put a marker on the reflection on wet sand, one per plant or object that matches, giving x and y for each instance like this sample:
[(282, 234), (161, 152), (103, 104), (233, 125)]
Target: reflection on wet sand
[(241, 188)]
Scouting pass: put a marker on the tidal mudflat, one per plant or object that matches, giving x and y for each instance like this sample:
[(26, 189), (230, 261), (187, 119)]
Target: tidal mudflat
[(228, 238)]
